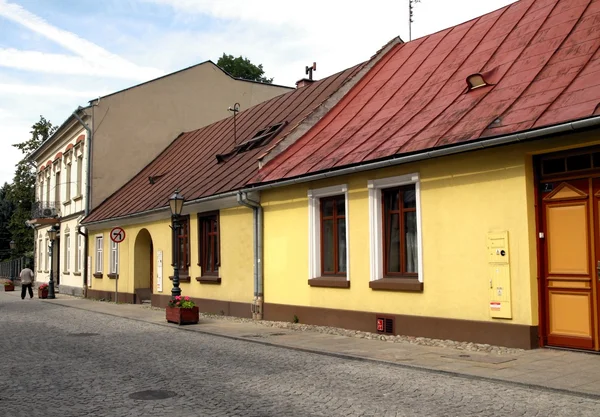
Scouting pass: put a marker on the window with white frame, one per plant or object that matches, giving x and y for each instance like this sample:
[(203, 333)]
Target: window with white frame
[(68, 180), (328, 232), (79, 257), (395, 228), (48, 260), (99, 254), (79, 175), (114, 258), (67, 261), (40, 255)]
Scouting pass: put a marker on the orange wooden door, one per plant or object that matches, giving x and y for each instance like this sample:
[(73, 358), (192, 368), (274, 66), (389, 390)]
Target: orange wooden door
[(570, 225)]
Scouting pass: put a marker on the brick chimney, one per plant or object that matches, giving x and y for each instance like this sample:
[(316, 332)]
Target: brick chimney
[(304, 82)]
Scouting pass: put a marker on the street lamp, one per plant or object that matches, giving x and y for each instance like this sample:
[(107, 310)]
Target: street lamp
[(176, 205), (12, 271), (52, 236)]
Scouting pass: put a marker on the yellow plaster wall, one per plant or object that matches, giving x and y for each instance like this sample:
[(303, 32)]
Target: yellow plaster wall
[(463, 197), (236, 270)]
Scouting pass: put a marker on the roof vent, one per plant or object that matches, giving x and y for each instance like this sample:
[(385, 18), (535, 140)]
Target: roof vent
[(260, 138), (476, 81)]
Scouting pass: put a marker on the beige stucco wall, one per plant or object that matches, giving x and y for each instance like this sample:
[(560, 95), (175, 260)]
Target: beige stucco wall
[(132, 127)]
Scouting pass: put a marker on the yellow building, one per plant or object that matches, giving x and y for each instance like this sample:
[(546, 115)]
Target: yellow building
[(449, 189)]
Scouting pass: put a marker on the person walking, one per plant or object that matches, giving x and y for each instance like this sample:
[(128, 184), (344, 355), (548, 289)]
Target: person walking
[(27, 279)]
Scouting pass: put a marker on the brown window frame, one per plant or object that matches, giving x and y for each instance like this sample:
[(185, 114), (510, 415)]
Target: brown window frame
[(335, 217), (183, 232), (402, 226), (203, 235)]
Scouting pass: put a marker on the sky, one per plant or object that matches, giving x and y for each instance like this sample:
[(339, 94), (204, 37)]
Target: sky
[(58, 54)]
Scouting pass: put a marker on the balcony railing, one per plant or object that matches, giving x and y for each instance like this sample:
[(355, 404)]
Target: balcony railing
[(45, 210)]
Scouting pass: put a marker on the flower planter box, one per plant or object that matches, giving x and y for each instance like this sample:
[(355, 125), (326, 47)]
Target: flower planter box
[(182, 315), (10, 287), (43, 293)]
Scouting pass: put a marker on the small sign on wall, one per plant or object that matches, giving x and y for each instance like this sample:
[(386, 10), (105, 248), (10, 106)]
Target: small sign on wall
[(159, 270)]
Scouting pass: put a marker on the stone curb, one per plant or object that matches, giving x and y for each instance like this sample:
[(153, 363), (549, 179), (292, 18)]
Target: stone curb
[(352, 357)]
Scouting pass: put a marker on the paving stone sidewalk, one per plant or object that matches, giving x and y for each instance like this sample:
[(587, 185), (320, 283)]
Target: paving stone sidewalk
[(575, 372)]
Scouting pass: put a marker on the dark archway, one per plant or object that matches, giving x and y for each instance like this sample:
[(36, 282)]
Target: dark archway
[(143, 267)]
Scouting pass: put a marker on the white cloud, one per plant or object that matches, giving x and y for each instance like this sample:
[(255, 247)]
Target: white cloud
[(45, 90), (92, 53)]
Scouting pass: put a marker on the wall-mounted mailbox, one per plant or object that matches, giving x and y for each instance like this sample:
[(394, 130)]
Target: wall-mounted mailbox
[(499, 275)]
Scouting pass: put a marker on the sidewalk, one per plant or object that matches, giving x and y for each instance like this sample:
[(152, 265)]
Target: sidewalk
[(574, 372)]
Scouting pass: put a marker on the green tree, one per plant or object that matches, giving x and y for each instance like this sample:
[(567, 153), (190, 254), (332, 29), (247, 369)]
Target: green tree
[(6, 212), (21, 193), (241, 67)]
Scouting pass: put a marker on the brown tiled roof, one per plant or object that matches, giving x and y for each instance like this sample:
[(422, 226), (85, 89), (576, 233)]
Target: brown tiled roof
[(190, 165), (541, 59)]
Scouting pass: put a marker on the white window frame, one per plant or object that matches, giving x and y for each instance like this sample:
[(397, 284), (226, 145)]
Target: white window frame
[(314, 228), (99, 252), (114, 257), (40, 255), (67, 267), (375, 221), (78, 259), (48, 260)]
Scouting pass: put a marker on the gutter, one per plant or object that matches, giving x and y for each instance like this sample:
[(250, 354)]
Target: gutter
[(85, 260), (257, 303), (398, 160)]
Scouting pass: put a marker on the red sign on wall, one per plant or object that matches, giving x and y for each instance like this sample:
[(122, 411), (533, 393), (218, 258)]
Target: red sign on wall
[(379, 325)]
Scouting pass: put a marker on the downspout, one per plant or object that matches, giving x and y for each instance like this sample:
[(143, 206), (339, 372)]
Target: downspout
[(257, 303), (88, 150), (85, 261)]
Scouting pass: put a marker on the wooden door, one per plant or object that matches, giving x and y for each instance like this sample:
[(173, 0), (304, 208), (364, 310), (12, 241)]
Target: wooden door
[(570, 226)]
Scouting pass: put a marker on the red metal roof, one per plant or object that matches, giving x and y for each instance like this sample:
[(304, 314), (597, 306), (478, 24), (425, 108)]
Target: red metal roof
[(190, 165), (542, 58)]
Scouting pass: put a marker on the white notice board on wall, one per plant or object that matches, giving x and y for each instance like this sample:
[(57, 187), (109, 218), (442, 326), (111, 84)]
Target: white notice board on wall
[(159, 270)]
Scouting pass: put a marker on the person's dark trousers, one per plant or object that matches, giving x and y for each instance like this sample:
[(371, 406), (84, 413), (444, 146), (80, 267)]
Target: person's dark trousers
[(26, 286)]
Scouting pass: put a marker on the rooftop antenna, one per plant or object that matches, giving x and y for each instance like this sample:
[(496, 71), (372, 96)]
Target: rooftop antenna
[(309, 70), (410, 17), (235, 109)]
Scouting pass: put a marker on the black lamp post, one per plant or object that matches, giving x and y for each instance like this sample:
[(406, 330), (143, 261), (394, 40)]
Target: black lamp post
[(12, 271), (176, 205), (52, 236)]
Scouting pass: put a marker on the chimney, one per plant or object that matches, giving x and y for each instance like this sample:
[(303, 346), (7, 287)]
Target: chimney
[(304, 82)]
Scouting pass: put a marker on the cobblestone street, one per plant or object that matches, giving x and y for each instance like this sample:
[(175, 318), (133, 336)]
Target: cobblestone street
[(61, 361)]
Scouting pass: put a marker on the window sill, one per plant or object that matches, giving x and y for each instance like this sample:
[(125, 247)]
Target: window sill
[(209, 280), (98, 274), (78, 197), (329, 282), (77, 274), (66, 273), (113, 276), (397, 284), (67, 203), (182, 278), (46, 272)]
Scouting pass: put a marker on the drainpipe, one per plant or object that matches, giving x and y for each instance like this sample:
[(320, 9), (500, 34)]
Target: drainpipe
[(257, 303), (88, 150), (85, 260)]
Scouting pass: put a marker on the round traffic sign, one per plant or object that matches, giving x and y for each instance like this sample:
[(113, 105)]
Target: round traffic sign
[(117, 235)]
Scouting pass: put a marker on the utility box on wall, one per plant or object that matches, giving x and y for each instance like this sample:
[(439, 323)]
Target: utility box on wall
[(499, 275)]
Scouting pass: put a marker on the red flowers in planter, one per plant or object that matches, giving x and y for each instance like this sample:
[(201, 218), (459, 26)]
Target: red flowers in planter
[(182, 310)]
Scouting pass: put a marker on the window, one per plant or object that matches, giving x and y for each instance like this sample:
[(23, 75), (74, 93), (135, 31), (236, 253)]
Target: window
[(114, 258), (68, 182), (48, 260), (67, 261), (99, 254), (79, 175), (57, 187), (79, 258), (260, 138), (41, 189), (333, 235), (40, 255), (182, 250), (328, 237), (395, 233), (48, 189), (209, 247), (400, 231)]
